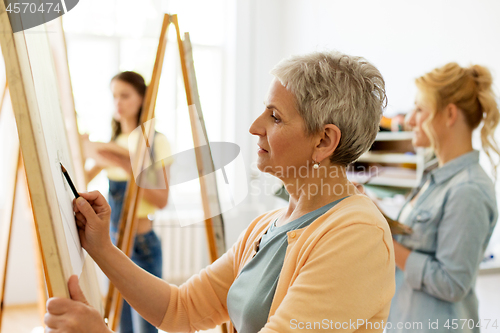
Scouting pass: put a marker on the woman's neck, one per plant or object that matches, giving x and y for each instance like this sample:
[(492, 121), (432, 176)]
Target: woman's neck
[(128, 125), (453, 147), (319, 188)]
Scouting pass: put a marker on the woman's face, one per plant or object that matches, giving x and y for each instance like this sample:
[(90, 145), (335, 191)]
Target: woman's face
[(126, 99), (438, 125), (283, 142), (417, 119)]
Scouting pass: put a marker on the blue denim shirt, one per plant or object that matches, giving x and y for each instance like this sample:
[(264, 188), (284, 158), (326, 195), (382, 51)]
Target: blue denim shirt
[(452, 223)]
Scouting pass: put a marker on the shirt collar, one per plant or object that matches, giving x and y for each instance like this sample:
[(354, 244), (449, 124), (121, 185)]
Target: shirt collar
[(451, 168)]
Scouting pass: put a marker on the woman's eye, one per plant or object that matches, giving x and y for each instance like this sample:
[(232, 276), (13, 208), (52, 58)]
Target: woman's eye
[(276, 119)]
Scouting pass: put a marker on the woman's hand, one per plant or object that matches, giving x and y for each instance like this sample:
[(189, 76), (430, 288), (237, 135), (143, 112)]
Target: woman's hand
[(359, 187), (401, 254), (73, 315), (111, 158), (107, 154), (146, 293), (92, 215), (116, 156)]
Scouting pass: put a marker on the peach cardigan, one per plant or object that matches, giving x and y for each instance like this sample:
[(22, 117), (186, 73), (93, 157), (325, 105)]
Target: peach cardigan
[(338, 272)]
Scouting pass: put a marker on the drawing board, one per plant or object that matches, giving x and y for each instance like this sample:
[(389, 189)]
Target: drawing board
[(44, 142)]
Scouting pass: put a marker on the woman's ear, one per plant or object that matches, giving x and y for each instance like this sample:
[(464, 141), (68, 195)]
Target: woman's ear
[(329, 141), (451, 114)]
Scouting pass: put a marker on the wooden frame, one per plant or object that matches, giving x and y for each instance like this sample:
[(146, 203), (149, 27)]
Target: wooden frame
[(208, 185), (59, 51), (128, 224), (58, 47), (47, 216), (14, 163), (214, 223)]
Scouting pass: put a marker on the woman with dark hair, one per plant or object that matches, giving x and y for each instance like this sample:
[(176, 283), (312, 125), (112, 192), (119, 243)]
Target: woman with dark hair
[(128, 90)]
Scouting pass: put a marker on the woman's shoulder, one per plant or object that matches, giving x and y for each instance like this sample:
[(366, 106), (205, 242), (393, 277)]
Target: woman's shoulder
[(354, 213), (160, 140), (160, 137), (122, 140), (162, 148), (473, 180), (357, 208)]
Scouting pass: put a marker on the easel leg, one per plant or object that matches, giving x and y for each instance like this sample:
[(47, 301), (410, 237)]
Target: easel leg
[(114, 299), (128, 225), (42, 293), (7, 232)]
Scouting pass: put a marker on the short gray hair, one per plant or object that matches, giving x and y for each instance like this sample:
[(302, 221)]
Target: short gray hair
[(335, 88)]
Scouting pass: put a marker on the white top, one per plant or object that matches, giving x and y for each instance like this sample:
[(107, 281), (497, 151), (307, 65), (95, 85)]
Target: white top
[(409, 207)]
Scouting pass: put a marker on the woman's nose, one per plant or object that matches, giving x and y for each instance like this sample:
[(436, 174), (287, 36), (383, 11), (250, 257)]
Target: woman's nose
[(410, 119), (257, 128)]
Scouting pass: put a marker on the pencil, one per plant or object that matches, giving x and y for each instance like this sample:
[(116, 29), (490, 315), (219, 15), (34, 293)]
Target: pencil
[(66, 175)]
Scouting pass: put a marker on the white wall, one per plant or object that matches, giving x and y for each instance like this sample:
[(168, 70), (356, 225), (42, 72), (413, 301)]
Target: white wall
[(255, 52), (22, 270), (403, 39), (488, 293)]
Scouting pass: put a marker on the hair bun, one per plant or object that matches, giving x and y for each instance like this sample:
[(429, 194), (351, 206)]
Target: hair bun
[(482, 76)]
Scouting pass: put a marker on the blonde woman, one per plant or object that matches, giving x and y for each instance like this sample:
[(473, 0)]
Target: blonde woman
[(453, 211), (325, 262)]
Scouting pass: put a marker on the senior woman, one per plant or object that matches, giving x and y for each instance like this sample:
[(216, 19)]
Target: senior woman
[(324, 262)]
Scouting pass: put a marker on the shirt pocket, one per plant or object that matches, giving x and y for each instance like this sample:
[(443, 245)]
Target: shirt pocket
[(424, 230), (423, 216)]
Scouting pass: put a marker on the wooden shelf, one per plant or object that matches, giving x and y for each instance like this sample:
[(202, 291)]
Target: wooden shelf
[(388, 158), (387, 176), (386, 181), (491, 265), (394, 136), (395, 182), (392, 148)]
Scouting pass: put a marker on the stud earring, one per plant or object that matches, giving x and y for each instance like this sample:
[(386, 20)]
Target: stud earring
[(316, 165)]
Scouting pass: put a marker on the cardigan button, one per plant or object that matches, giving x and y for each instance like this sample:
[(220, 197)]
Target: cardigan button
[(292, 234)]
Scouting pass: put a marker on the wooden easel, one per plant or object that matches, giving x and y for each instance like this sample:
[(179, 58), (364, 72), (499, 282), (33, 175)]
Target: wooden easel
[(18, 171), (128, 225), (46, 217), (59, 51)]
